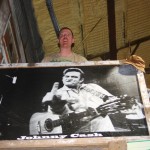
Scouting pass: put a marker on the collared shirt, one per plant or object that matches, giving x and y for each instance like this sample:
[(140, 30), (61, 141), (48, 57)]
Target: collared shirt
[(90, 94)]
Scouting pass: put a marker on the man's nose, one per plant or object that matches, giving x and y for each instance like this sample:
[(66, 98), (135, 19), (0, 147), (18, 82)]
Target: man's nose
[(69, 78)]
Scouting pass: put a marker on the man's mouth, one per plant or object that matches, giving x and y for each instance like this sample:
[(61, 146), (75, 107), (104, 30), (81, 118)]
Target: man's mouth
[(68, 81)]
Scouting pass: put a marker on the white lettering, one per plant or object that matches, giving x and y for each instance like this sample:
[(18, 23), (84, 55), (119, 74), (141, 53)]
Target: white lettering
[(86, 135), (98, 134), (82, 135), (74, 135), (62, 136), (22, 138), (36, 137), (45, 137), (29, 138)]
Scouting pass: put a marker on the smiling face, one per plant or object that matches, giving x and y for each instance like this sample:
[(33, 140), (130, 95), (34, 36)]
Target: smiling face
[(66, 38), (72, 79)]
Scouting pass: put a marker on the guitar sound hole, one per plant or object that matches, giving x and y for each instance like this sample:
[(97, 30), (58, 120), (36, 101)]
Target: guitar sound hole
[(48, 125)]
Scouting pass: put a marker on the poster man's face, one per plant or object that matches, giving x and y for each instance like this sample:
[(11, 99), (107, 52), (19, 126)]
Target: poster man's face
[(72, 79)]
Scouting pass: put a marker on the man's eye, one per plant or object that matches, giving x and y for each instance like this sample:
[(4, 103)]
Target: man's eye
[(74, 77), (62, 35)]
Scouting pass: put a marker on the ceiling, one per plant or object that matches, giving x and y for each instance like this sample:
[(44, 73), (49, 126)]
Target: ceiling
[(101, 27)]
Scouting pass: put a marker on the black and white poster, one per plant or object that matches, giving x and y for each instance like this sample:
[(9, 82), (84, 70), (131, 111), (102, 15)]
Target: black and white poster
[(70, 102)]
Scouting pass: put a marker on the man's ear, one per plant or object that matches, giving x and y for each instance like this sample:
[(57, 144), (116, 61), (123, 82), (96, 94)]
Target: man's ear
[(72, 45), (58, 45), (81, 81)]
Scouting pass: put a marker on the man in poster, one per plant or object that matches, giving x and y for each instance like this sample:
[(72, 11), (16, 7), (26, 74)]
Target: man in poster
[(77, 107), (79, 97)]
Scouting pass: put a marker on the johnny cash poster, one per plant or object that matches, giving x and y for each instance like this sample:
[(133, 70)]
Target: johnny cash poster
[(70, 102)]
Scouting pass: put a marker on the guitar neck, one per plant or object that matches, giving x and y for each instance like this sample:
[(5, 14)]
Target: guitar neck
[(111, 106)]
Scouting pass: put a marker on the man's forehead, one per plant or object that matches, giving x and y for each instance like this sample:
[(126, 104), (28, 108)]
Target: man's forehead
[(65, 31), (73, 73)]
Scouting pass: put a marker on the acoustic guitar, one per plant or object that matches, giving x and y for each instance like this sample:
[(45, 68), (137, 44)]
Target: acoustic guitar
[(48, 123)]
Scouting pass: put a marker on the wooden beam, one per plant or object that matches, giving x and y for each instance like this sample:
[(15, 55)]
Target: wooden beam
[(112, 29)]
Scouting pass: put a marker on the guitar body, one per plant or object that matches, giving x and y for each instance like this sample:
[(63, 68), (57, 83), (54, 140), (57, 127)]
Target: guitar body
[(37, 123)]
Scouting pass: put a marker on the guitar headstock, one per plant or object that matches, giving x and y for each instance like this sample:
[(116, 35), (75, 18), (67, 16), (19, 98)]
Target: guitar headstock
[(116, 104), (127, 101)]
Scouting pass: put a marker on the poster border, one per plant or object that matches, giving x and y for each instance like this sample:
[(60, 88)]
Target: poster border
[(59, 143)]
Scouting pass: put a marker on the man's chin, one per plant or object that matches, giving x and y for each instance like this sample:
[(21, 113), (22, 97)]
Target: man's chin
[(71, 86)]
